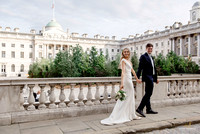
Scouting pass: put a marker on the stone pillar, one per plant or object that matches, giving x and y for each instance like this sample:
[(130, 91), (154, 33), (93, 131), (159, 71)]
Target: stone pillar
[(173, 44), (181, 46), (47, 47), (198, 45), (54, 50), (61, 48), (44, 50), (189, 45)]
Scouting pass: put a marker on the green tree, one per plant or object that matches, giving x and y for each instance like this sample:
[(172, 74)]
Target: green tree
[(135, 61)]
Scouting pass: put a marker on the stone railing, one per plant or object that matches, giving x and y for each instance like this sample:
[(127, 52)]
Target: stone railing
[(67, 97)]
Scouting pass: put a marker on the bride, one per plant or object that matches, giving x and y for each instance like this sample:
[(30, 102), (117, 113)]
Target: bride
[(124, 111)]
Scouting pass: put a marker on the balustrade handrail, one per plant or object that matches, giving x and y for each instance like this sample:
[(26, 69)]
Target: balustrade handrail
[(68, 80)]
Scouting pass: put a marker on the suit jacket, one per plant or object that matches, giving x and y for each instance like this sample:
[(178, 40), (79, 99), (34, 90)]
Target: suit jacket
[(146, 68)]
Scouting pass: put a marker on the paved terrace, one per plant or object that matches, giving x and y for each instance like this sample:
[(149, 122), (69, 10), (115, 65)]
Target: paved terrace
[(168, 117)]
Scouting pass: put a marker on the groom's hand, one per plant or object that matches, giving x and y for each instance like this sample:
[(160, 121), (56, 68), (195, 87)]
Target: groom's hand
[(157, 82)]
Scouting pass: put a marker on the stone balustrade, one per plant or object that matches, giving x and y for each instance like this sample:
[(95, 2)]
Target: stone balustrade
[(97, 94)]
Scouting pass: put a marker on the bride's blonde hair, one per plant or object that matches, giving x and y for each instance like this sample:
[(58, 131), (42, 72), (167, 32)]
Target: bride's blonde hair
[(122, 56)]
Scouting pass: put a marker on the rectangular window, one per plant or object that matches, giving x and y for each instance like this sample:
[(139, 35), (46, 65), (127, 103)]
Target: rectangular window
[(195, 38), (100, 49), (56, 47), (186, 40), (40, 54), (21, 54), (112, 50), (131, 48), (3, 68), (136, 48), (88, 49), (141, 47), (162, 44), (117, 50), (22, 45), (49, 47), (168, 43), (3, 54), (3, 44), (30, 46), (30, 55), (40, 46), (156, 44), (179, 40), (12, 45), (13, 54), (112, 58), (50, 55)]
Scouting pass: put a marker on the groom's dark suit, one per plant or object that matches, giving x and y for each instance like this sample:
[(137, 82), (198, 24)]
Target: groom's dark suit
[(146, 67)]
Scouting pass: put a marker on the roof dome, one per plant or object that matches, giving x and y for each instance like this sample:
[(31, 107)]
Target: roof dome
[(53, 25), (196, 4)]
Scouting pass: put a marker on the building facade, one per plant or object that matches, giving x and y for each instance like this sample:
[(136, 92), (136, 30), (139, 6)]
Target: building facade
[(19, 50)]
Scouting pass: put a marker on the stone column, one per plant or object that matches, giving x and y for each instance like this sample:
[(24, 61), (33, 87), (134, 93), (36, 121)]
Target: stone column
[(54, 50), (47, 47), (61, 48), (173, 44), (181, 46), (44, 50), (198, 45), (189, 45)]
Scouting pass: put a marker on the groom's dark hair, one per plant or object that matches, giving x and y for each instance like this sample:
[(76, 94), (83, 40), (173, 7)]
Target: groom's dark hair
[(149, 45)]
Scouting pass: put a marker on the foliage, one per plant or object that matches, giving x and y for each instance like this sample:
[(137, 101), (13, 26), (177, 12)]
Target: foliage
[(134, 60), (74, 62)]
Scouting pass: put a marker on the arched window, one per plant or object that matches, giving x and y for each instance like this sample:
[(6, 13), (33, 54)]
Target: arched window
[(22, 68), (12, 68)]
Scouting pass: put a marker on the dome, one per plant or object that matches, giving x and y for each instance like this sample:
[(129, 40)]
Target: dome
[(53, 25), (196, 4)]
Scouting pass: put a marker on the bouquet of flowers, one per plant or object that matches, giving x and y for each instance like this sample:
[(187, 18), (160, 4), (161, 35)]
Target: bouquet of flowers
[(121, 95)]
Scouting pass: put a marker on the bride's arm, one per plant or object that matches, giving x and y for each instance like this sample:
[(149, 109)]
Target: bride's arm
[(139, 81), (122, 75)]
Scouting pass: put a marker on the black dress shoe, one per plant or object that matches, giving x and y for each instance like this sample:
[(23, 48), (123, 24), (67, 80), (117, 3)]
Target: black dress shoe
[(140, 112), (151, 112)]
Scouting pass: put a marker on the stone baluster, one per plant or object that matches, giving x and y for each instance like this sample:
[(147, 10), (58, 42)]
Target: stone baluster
[(172, 88), (176, 88), (105, 94), (71, 96), (189, 89), (31, 98), (181, 92), (184, 88), (97, 95), (80, 96), (113, 94), (62, 97), (198, 88), (42, 98), (52, 97), (195, 86), (89, 96), (169, 89), (21, 98)]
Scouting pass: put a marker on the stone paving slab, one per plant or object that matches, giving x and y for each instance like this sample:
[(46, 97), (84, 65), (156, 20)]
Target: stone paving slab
[(167, 117)]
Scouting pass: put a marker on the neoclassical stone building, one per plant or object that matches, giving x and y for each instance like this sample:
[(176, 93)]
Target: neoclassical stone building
[(18, 50)]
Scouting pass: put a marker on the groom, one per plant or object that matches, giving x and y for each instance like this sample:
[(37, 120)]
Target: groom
[(149, 75)]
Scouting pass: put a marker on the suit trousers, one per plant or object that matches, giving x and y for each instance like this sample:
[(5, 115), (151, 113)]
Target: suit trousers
[(146, 98)]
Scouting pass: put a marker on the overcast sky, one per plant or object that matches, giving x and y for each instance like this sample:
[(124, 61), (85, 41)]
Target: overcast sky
[(105, 17)]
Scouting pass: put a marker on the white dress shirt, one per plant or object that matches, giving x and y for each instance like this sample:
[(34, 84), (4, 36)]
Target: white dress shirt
[(152, 63)]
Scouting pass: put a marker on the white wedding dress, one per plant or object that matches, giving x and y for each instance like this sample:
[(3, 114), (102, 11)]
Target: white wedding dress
[(124, 111)]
